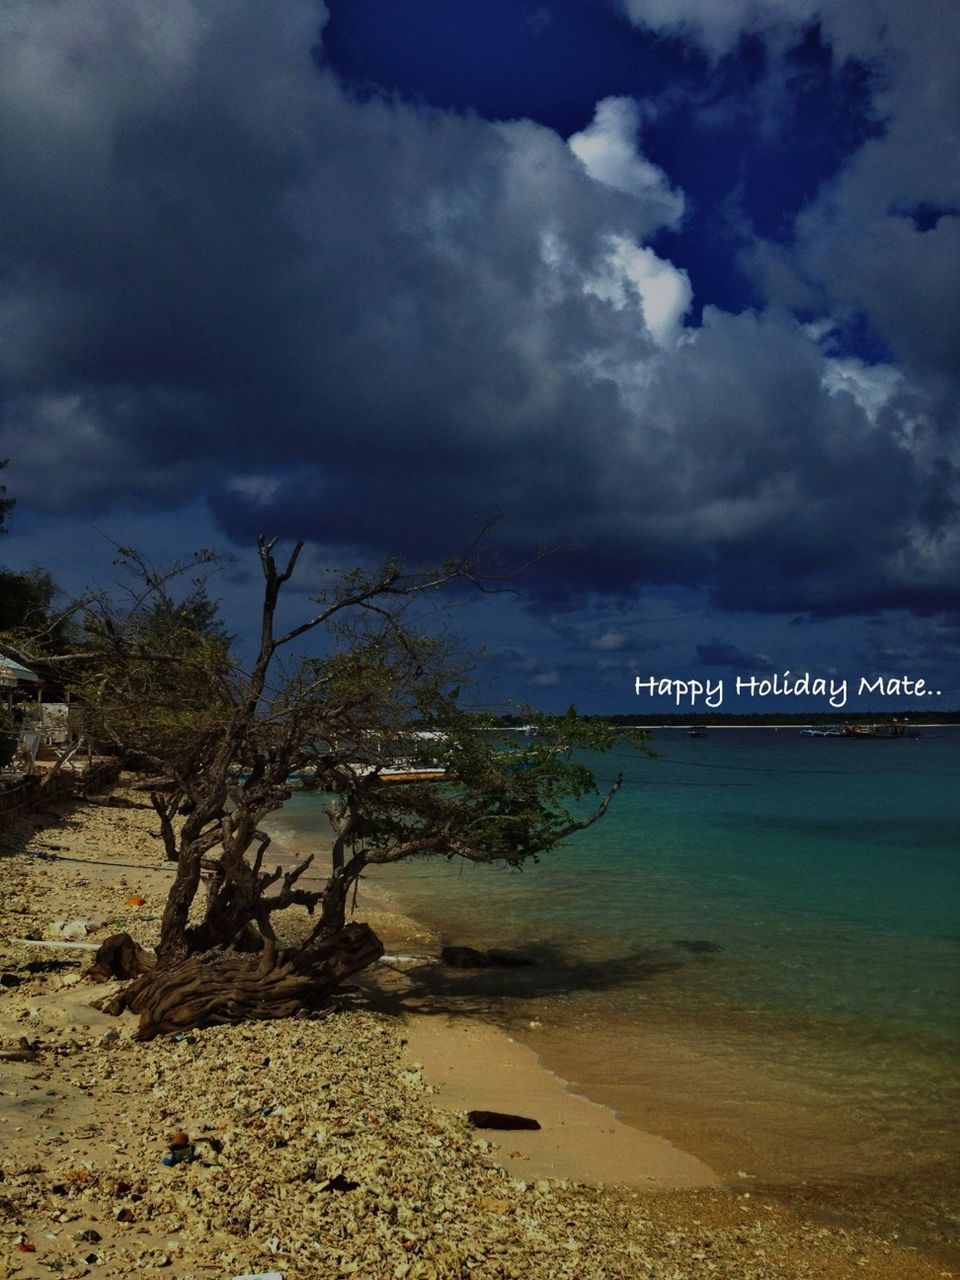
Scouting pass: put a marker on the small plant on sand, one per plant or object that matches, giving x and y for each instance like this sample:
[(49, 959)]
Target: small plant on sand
[(331, 698), (8, 734), (8, 723)]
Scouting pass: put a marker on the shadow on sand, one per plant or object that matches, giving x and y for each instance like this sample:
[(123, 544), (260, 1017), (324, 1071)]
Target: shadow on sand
[(431, 987)]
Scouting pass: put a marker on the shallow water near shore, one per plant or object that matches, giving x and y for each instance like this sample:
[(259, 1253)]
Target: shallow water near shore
[(755, 955)]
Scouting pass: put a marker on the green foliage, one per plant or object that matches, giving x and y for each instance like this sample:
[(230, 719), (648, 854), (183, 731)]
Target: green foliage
[(156, 681), (196, 615), (504, 798), (134, 703), (26, 599), (6, 504), (8, 725)]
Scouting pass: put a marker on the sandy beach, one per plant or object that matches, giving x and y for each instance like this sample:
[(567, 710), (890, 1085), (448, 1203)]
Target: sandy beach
[(332, 1145)]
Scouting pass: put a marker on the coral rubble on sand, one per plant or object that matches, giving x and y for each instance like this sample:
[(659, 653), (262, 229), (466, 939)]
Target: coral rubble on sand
[(305, 1147)]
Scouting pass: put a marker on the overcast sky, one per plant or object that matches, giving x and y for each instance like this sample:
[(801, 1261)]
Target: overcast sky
[(673, 285)]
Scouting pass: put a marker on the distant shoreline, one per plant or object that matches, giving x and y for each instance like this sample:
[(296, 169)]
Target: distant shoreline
[(918, 718), (792, 724)]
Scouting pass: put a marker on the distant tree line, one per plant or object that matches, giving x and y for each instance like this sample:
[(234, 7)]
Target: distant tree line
[(758, 719), (25, 598)]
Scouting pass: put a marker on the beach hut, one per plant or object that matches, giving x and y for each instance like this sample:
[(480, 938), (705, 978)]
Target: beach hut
[(21, 693), (13, 676), (19, 686)]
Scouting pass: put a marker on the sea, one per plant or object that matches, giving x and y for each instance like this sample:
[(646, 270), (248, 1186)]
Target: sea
[(755, 954)]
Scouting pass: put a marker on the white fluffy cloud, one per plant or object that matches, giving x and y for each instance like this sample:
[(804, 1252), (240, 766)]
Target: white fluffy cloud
[(607, 149), (874, 240), (718, 24), (609, 641), (869, 241), (631, 274), (871, 386)]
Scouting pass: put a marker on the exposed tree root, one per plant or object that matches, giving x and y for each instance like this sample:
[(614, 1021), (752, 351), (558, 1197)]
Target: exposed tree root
[(224, 986), (120, 957)]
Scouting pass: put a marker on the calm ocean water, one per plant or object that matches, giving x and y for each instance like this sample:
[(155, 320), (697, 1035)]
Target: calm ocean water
[(764, 927)]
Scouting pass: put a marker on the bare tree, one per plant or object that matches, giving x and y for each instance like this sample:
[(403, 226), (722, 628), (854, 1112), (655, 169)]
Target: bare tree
[(221, 745)]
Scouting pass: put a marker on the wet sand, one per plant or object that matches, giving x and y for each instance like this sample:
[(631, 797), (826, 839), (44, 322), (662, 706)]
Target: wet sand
[(477, 1066)]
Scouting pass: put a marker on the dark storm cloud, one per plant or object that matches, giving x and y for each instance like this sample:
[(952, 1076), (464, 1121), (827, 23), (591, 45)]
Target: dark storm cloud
[(934, 641), (718, 653), (371, 323)]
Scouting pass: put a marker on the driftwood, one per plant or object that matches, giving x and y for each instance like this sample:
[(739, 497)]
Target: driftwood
[(500, 1120), (24, 1052), (226, 986), (120, 957)]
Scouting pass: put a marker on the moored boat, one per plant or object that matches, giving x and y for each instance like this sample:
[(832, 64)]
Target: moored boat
[(886, 730), (412, 774)]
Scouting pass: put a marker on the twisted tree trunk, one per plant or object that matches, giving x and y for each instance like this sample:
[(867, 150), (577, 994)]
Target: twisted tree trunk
[(224, 986)]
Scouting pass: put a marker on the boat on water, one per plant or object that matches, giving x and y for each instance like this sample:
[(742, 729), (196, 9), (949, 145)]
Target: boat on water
[(696, 731), (887, 730), (415, 773), (399, 771)]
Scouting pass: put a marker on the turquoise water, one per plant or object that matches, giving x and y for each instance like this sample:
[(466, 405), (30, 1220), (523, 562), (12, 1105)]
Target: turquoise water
[(762, 922), (802, 875)]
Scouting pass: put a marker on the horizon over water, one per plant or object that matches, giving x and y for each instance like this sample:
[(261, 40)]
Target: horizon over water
[(755, 953)]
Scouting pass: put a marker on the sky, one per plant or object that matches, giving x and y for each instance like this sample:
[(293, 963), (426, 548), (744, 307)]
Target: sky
[(670, 287)]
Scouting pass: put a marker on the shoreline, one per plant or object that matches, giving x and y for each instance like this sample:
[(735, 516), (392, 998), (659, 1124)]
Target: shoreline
[(476, 1064), (67, 1121), (716, 1089)]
